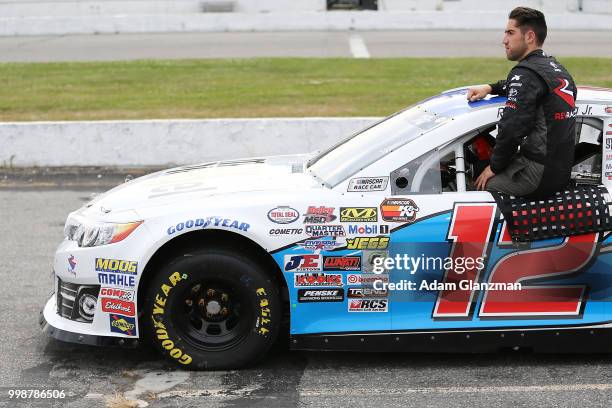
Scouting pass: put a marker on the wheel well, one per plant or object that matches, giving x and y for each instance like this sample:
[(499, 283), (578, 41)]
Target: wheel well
[(217, 238)]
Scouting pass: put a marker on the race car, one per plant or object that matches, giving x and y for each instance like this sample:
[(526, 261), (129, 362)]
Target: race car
[(378, 243)]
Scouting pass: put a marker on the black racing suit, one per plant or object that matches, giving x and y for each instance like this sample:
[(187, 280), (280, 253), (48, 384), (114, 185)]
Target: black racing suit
[(538, 118)]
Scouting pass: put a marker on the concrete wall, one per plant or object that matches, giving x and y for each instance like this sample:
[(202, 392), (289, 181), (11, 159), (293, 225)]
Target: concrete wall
[(166, 142)]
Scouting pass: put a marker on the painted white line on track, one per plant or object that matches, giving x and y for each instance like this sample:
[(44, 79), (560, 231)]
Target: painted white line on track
[(458, 390), (358, 47)]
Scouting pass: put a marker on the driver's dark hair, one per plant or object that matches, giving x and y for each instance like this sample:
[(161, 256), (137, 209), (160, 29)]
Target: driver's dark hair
[(528, 18)]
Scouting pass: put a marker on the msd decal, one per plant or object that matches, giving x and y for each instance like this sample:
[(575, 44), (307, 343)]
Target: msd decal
[(302, 263), (319, 215)]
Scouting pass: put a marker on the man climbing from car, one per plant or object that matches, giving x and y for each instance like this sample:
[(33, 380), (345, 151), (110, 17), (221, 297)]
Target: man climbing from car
[(538, 116)]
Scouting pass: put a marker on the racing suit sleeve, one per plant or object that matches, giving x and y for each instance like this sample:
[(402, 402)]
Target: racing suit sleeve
[(499, 88), (524, 89)]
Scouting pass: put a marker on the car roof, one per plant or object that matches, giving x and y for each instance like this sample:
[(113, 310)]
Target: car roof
[(453, 102)]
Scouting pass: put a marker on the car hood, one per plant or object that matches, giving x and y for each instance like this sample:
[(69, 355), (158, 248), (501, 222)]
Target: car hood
[(188, 183)]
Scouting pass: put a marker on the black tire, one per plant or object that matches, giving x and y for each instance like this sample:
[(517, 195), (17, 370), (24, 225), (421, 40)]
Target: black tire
[(212, 309)]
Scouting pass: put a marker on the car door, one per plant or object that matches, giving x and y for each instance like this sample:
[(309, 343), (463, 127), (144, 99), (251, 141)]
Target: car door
[(458, 267)]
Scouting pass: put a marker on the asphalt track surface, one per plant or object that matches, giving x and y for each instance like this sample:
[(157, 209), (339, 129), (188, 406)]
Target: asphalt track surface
[(31, 227), (355, 44)]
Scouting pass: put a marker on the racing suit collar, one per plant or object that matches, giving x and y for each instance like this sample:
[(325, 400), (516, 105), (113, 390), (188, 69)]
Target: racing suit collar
[(539, 52)]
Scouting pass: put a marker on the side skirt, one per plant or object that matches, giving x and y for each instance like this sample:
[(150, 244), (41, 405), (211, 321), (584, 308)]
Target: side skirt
[(583, 340)]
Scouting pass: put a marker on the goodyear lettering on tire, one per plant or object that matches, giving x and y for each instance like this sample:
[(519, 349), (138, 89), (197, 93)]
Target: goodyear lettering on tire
[(263, 320), (159, 309)]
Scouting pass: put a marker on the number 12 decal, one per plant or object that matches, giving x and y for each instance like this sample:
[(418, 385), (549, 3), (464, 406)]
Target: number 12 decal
[(470, 232)]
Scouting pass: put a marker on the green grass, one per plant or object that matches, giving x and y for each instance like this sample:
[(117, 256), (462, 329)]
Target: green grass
[(273, 87)]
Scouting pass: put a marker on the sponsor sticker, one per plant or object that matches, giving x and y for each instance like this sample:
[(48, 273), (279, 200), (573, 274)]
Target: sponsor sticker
[(208, 222), (286, 231), (358, 214), (365, 292), (317, 279), (118, 306), (399, 210), (302, 263), (324, 244), (116, 279), (320, 295), (367, 229), (122, 324), (116, 293), (319, 215), (369, 258), (367, 243), (368, 305), (116, 266), (325, 230), (342, 263), (365, 279), (365, 184), (72, 265), (283, 215)]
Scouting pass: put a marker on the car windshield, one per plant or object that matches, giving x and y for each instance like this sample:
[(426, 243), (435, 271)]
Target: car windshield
[(366, 147)]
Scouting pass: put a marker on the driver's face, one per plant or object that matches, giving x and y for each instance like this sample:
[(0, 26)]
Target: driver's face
[(514, 41)]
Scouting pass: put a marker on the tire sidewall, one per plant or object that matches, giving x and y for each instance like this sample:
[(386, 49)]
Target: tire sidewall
[(184, 272)]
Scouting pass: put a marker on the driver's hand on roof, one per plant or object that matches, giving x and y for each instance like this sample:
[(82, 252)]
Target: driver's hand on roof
[(476, 93)]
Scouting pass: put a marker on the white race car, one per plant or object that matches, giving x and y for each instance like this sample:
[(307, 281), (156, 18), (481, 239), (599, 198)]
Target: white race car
[(365, 246)]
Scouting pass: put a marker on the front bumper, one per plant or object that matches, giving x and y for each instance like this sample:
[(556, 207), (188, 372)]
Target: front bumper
[(52, 325)]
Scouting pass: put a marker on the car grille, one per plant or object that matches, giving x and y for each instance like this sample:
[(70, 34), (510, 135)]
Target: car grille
[(68, 296)]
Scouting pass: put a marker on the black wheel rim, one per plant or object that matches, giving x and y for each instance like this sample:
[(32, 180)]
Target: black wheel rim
[(213, 315)]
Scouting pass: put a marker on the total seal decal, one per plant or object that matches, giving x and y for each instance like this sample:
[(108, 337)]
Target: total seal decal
[(283, 215), (399, 210), (116, 272), (317, 279), (208, 222), (365, 184)]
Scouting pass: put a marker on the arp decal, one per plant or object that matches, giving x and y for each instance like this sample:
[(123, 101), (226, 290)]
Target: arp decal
[(302, 263), (283, 215), (399, 210)]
